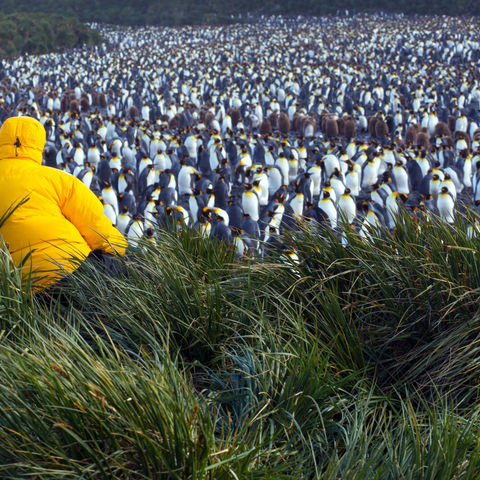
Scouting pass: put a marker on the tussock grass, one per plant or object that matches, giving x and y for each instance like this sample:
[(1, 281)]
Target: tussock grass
[(360, 360)]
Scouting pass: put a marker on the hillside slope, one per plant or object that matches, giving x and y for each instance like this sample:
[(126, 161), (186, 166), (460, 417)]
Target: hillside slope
[(42, 33), (216, 11)]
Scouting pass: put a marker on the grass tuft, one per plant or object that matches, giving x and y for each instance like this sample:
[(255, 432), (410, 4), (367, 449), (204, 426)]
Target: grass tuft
[(359, 360)]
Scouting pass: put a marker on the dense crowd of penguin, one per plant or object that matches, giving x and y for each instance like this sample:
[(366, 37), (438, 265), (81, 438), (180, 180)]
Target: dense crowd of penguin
[(244, 131)]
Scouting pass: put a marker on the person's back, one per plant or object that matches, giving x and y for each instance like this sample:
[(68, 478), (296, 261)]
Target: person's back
[(62, 220)]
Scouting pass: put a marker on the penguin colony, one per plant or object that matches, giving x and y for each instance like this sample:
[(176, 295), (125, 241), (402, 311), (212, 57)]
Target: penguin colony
[(245, 131)]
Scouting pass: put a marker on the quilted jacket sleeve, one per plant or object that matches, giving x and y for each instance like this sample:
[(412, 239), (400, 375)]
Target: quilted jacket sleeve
[(82, 208)]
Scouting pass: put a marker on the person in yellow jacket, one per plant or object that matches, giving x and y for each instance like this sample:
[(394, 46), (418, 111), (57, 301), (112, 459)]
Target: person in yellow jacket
[(61, 220)]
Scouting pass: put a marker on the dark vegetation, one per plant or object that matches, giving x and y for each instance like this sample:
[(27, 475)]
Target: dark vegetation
[(166, 12), (41, 33)]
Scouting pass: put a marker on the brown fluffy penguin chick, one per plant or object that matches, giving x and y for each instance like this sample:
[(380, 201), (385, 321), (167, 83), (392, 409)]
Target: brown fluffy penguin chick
[(202, 114), (273, 118), (324, 116), (411, 134), (442, 130), (422, 141), (133, 112), (64, 103), (372, 121), (341, 126), (476, 135), (350, 129), (84, 104), (381, 129), (451, 123), (174, 123), (74, 107), (308, 126), (283, 123), (331, 128), (209, 116), (266, 127), (102, 100), (296, 122), (235, 115)]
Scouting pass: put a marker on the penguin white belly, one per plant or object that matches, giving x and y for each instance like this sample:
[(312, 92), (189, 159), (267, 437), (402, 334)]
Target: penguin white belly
[(122, 184), (240, 247), (467, 173), (369, 175), (297, 204), (434, 188), (116, 163), (143, 163), (347, 208), (274, 180), (135, 232), (191, 146), (109, 212), (445, 206), (337, 186), (269, 160), (109, 196), (282, 164), (401, 180), (160, 162), (250, 204), (292, 170), (184, 181), (352, 181), (87, 179), (264, 192), (328, 207), (330, 163), (93, 156), (392, 212), (316, 177), (122, 222), (461, 145)]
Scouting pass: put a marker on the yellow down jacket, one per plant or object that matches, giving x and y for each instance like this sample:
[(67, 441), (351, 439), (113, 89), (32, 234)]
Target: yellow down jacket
[(61, 221)]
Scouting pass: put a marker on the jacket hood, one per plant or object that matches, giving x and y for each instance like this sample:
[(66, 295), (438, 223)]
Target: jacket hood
[(22, 137)]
